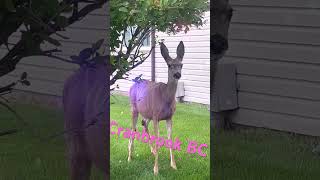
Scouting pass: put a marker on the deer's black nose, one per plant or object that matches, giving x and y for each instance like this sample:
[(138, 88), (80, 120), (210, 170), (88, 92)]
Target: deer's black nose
[(177, 75)]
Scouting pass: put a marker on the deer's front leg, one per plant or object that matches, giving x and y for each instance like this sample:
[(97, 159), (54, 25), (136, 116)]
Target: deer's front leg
[(133, 128), (157, 134), (169, 130)]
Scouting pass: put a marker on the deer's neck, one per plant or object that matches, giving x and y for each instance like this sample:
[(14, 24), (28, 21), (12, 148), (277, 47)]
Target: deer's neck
[(171, 88)]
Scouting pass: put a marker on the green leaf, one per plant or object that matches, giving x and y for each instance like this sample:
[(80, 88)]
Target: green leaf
[(97, 45), (112, 60), (23, 76), (134, 11), (26, 82), (123, 9)]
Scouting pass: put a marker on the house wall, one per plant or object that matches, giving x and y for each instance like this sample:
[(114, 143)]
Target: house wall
[(47, 75), (275, 45), (196, 63)]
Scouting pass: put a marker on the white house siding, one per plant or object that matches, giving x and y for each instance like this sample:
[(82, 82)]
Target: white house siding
[(47, 75), (196, 63), (275, 45), (144, 68)]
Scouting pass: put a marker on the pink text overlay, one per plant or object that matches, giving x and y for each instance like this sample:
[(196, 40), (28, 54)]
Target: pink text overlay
[(193, 146)]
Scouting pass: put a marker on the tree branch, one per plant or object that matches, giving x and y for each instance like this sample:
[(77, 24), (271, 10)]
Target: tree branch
[(19, 51), (7, 88), (60, 58)]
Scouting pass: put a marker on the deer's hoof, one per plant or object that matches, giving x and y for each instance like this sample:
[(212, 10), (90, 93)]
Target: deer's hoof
[(173, 165)]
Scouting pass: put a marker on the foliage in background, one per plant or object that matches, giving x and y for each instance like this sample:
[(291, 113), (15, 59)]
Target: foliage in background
[(139, 18), (26, 24), (37, 20)]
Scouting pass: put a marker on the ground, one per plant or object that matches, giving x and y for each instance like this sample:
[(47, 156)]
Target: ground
[(191, 121), (242, 154), (260, 154), (23, 156)]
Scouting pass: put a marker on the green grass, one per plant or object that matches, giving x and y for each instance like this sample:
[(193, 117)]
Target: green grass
[(242, 154), (190, 121), (23, 156), (259, 154)]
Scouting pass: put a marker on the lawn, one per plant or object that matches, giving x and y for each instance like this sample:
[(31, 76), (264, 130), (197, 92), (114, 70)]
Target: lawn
[(23, 156), (241, 154), (259, 154), (190, 122)]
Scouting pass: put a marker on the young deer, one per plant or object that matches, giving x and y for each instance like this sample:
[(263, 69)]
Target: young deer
[(156, 101), (86, 102)]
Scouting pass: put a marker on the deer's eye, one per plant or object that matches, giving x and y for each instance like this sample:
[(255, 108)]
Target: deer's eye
[(169, 65)]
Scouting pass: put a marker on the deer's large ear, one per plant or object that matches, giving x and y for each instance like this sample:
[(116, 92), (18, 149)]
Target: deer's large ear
[(164, 52), (180, 51)]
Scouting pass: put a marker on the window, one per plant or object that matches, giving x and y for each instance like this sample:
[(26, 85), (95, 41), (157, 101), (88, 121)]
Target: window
[(145, 43)]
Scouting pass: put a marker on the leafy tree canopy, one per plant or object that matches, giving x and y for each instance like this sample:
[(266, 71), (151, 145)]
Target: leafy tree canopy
[(170, 16)]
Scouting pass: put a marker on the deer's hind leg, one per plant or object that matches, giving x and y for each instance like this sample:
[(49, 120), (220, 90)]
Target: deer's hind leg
[(135, 115), (80, 163), (78, 156), (145, 123)]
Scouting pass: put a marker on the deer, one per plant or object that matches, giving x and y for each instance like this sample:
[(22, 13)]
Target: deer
[(86, 114), (156, 101), (222, 15)]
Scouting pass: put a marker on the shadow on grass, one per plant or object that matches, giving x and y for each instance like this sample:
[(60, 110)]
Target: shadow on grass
[(261, 154), (23, 156)]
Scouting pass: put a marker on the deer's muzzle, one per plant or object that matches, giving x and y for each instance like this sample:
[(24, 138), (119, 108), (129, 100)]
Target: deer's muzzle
[(177, 75)]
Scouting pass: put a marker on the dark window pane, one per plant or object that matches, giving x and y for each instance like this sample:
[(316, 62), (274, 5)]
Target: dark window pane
[(128, 35)]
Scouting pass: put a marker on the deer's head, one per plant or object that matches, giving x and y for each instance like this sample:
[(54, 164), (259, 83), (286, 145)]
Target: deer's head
[(174, 65), (222, 13)]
